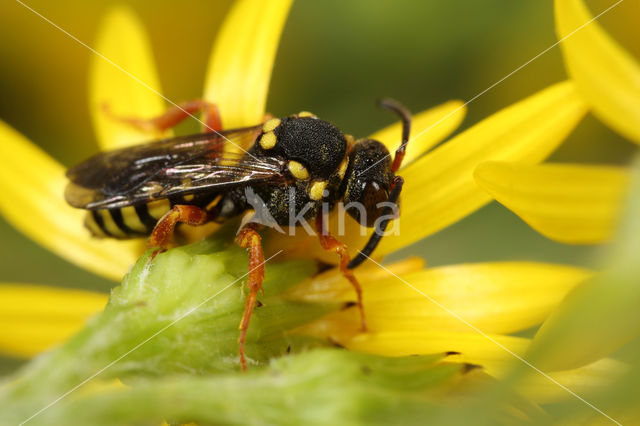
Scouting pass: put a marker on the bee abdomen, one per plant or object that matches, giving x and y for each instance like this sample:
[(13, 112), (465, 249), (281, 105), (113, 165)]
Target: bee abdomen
[(126, 222)]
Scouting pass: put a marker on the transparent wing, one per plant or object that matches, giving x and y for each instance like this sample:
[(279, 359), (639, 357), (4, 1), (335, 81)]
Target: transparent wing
[(182, 165)]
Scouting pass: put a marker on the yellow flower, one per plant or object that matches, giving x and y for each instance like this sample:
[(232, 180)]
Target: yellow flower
[(496, 299), (582, 204), (585, 204), (606, 75), (574, 203)]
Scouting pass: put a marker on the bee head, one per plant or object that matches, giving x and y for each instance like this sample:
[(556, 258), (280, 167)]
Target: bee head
[(371, 181), (367, 181)]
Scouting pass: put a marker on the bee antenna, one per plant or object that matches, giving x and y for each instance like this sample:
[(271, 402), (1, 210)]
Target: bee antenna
[(378, 232), (405, 116)]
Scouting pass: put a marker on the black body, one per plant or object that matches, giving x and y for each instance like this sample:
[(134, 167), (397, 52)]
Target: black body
[(294, 164)]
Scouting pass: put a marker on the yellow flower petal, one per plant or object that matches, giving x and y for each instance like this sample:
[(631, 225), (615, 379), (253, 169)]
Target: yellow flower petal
[(594, 320), (473, 347), (428, 129), (499, 297), (34, 318), (606, 75), (242, 58), (568, 203), (331, 286), (122, 39), (32, 186), (439, 187), (497, 354), (600, 315)]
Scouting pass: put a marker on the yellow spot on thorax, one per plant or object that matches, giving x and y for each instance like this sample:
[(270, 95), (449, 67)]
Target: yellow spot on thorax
[(270, 125), (342, 169), (298, 170), (303, 114), (268, 140), (317, 189)]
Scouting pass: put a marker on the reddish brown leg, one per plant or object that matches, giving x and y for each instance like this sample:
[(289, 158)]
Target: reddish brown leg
[(330, 243), (249, 238), (174, 116), (163, 231), (397, 160)]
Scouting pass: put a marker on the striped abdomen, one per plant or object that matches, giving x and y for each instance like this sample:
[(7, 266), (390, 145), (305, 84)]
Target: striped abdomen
[(126, 222), (139, 221)]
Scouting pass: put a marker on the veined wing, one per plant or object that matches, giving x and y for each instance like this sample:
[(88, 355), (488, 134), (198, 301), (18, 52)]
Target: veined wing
[(176, 166)]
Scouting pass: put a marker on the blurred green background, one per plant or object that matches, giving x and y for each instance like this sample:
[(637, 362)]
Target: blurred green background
[(335, 59)]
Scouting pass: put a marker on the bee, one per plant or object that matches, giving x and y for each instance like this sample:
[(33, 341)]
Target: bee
[(298, 165)]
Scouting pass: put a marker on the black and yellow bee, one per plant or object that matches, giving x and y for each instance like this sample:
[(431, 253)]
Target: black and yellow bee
[(296, 165)]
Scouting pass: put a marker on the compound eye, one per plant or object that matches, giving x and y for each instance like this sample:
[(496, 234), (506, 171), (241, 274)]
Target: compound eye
[(372, 196)]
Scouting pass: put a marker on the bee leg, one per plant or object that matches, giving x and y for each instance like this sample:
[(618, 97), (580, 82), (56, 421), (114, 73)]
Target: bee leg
[(249, 238), (330, 243), (173, 116), (163, 231)]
